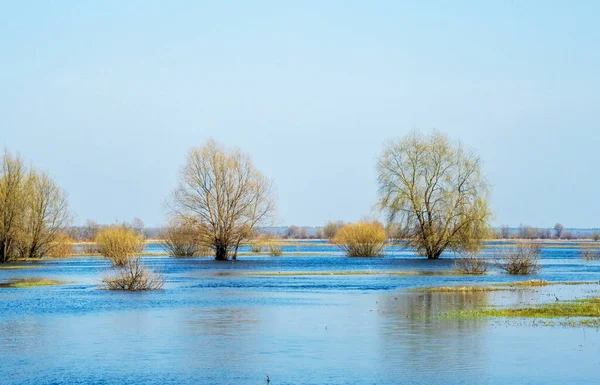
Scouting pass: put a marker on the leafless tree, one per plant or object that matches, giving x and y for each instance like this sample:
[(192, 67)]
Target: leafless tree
[(331, 229), (292, 232), (46, 216), (33, 209), (505, 231), (13, 180), (224, 195), (558, 230), (435, 190)]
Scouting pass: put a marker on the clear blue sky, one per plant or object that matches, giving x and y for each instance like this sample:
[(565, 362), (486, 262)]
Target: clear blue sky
[(109, 95)]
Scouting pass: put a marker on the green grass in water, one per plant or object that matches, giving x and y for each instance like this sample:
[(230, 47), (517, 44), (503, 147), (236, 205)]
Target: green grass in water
[(589, 307), (30, 282), (457, 289), (18, 267)]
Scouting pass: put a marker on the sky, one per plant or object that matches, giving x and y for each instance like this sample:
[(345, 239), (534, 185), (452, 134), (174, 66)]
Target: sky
[(108, 96)]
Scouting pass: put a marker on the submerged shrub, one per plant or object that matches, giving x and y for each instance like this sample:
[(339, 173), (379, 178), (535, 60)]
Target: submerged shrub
[(522, 259), (182, 239), (256, 247), (590, 254), (274, 250), (470, 264), (119, 244), (362, 239), (133, 276)]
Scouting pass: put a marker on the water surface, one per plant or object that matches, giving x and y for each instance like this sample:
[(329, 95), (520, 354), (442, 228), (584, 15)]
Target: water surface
[(214, 323)]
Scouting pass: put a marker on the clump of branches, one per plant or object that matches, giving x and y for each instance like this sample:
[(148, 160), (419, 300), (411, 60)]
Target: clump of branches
[(133, 276), (362, 239), (470, 264), (522, 259), (183, 239), (119, 243), (590, 254)]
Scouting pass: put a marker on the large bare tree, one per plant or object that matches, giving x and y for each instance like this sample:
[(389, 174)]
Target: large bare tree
[(222, 193), (46, 216), (13, 180), (433, 189), (33, 211)]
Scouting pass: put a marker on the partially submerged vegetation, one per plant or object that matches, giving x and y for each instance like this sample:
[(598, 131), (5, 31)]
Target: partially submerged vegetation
[(30, 282), (133, 276), (521, 259), (457, 289), (434, 191), (183, 239), (589, 307), (33, 211), (18, 267), (119, 243), (470, 264), (589, 253), (362, 239)]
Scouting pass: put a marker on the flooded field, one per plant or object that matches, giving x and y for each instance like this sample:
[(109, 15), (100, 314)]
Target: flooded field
[(311, 316)]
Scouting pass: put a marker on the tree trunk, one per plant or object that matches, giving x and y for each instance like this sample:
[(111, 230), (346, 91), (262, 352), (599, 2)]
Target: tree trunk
[(434, 254), (221, 253)]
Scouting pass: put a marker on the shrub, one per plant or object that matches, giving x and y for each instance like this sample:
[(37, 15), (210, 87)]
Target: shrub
[(119, 243), (90, 248), (590, 254), (274, 250), (256, 247), (182, 239), (62, 247), (522, 259), (133, 276), (470, 264), (362, 239)]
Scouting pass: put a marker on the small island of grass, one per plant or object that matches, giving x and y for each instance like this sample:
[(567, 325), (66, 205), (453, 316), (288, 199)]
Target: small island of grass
[(30, 282)]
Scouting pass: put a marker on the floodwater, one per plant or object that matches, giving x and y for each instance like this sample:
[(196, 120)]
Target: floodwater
[(224, 323)]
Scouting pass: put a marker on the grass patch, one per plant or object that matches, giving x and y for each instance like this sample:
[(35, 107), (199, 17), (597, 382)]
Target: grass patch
[(30, 282), (457, 289), (540, 282), (18, 267), (578, 308), (528, 283)]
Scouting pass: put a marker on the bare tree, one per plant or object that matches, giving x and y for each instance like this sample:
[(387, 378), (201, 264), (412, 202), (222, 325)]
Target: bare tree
[(292, 232), (46, 216), (89, 231), (331, 229), (13, 180), (222, 193), (33, 211), (505, 231), (435, 190), (558, 230)]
